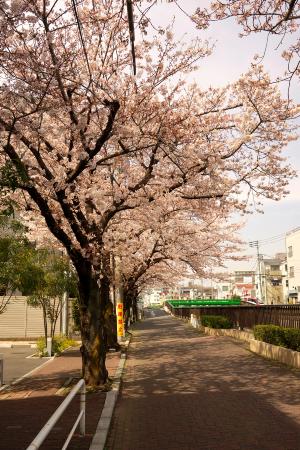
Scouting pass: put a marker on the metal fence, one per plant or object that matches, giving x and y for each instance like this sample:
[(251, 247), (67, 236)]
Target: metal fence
[(39, 439), (247, 316)]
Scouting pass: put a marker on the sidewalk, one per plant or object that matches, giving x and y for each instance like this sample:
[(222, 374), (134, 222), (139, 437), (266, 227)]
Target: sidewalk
[(187, 391), (27, 406)]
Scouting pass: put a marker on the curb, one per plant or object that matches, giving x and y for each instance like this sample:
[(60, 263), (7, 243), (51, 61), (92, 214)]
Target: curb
[(102, 429), (6, 386), (14, 344), (276, 353), (245, 336)]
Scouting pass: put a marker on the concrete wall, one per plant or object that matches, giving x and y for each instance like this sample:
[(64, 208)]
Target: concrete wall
[(281, 354)]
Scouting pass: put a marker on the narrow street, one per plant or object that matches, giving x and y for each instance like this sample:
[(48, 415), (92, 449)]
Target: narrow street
[(187, 391)]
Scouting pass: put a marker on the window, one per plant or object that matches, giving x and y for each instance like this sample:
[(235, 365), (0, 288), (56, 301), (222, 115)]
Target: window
[(287, 283), (292, 271), (290, 251), (275, 268), (239, 279), (224, 288)]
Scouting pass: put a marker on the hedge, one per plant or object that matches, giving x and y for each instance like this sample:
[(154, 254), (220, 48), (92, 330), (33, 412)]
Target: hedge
[(276, 335), (59, 344), (216, 322)]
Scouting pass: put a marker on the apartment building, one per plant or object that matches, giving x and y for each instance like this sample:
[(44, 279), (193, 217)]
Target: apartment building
[(292, 242), (270, 280)]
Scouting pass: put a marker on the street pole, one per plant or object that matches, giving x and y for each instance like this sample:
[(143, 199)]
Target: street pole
[(255, 244), (65, 314)]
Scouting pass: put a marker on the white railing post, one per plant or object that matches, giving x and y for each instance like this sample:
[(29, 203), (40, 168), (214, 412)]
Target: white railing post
[(41, 436), (1, 369), (82, 410)]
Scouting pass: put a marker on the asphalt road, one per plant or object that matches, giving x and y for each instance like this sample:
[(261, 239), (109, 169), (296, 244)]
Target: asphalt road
[(16, 364)]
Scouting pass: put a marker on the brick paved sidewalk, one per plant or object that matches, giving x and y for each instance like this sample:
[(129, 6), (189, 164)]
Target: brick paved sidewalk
[(187, 391), (27, 406)]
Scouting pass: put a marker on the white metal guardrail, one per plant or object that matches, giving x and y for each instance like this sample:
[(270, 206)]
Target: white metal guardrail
[(41, 436)]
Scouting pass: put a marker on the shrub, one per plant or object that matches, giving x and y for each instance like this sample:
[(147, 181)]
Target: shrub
[(216, 322), (273, 334), (291, 338), (59, 344), (268, 333)]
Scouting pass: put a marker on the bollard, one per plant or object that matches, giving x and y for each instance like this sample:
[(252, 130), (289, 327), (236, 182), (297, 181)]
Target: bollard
[(1, 370), (49, 346)]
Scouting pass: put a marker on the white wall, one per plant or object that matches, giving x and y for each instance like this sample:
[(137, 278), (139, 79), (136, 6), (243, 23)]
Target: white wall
[(292, 241)]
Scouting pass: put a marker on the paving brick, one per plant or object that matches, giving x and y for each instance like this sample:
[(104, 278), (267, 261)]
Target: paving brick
[(30, 403), (183, 390)]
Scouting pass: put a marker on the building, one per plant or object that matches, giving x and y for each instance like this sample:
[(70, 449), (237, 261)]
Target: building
[(225, 289), (270, 278), (152, 296), (22, 321), (285, 281), (292, 242), (244, 284)]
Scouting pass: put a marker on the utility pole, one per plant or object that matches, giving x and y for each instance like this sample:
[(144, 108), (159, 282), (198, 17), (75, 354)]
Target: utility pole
[(65, 313), (255, 244)]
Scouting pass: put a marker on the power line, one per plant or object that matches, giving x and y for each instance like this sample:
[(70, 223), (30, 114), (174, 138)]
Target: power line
[(278, 237)]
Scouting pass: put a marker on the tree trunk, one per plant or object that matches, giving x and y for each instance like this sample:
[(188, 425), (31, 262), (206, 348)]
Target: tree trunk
[(130, 305), (135, 309), (93, 300), (110, 319)]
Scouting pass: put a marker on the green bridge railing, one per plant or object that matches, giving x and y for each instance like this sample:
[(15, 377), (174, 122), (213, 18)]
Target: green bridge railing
[(196, 303)]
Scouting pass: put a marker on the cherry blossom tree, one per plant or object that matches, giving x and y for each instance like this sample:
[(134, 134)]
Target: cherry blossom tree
[(281, 18), (164, 243), (83, 141)]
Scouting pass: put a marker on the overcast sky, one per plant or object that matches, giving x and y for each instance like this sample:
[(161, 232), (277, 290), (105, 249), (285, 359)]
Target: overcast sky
[(232, 56)]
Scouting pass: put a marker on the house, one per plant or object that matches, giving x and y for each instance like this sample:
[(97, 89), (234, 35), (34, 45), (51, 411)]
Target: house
[(244, 284), (225, 289)]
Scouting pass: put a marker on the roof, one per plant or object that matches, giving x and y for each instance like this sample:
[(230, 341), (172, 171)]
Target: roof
[(272, 262)]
